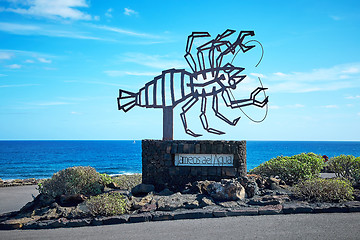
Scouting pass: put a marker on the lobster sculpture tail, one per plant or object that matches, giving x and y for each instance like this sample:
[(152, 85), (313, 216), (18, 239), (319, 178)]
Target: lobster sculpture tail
[(126, 100)]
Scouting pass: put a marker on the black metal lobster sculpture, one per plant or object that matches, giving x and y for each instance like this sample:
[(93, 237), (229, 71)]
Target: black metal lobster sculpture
[(175, 86)]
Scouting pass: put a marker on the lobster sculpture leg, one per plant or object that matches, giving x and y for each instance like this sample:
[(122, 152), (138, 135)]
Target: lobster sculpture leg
[(186, 108)]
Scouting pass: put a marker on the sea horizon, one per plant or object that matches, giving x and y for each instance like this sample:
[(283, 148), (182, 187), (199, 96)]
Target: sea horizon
[(21, 159), (177, 140)]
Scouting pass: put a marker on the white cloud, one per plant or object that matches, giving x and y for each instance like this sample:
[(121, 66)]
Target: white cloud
[(280, 74), (324, 79), (15, 28), (5, 55), (123, 31), (358, 113), (115, 73), (353, 97), (28, 56), (65, 9), (322, 74), (63, 31), (351, 70), (75, 113), (129, 12), (43, 60), (109, 13), (331, 106), (154, 61), (258, 75), (14, 66), (42, 30), (18, 85)]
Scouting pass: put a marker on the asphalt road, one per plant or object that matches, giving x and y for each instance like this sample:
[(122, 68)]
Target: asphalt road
[(300, 226), (13, 198)]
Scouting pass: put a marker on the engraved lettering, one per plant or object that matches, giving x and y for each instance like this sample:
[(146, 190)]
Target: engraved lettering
[(204, 160)]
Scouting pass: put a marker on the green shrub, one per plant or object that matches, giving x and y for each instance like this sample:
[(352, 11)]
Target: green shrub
[(73, 180), (292, 169), (105, 179), (127, 182), (324, 190), (107, 204), (346, 166)]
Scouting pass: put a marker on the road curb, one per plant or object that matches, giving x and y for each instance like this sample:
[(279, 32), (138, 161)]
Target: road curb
[(183, 214)]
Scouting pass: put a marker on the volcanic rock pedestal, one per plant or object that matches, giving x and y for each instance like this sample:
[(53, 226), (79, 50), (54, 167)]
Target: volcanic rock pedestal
[(163, 162)]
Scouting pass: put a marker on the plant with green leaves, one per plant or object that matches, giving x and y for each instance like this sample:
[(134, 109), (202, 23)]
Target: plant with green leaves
[(292, 169), (105, 179), (107, 204), (73, 180), (324, 190), (127, 182), (346, 166)]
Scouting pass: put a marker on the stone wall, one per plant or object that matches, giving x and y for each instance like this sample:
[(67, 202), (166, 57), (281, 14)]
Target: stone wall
[(158, 158)]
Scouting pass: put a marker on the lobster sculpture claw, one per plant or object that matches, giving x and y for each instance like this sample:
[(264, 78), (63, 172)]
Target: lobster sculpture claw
[(178, 86)]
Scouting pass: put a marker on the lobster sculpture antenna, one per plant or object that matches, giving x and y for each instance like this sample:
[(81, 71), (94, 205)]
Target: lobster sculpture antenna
[(175, 86)]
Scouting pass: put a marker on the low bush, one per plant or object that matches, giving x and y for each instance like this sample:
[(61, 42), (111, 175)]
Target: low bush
[(127, 182), (73, 180), (292, 169), (324, 190), (105, 179), (346, 166), (107, 204)]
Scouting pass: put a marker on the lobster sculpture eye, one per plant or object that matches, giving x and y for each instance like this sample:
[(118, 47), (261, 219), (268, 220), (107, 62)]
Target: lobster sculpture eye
[(231, 83), (228, 68)]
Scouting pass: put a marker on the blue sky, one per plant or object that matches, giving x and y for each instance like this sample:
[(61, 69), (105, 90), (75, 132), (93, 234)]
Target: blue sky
[(62, 63)]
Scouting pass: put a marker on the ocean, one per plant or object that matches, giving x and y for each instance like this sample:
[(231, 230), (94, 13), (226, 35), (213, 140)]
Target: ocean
[(41, 159)]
